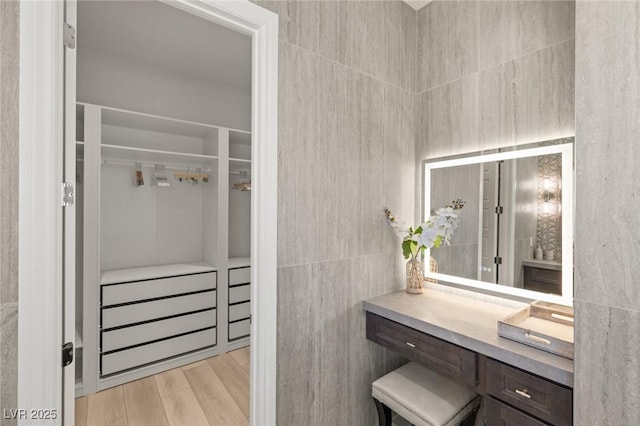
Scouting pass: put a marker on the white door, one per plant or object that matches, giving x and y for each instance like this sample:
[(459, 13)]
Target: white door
[(69, 238)]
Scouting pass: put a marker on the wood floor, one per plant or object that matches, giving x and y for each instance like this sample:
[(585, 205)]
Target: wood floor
[(212, 392)]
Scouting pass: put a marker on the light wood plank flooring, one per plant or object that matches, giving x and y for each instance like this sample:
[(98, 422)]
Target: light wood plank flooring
[(211, 392)]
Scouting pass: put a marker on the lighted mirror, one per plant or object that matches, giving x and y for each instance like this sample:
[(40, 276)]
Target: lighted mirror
[(515, 233)]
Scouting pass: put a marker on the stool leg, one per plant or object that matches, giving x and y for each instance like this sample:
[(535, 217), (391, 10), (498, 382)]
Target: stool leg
[(384, 413), (470, 419)]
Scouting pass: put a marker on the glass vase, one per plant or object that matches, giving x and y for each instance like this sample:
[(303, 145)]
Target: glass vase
[(415, 275)]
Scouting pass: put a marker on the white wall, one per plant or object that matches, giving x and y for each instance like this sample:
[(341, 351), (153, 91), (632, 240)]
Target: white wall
[(110, 80)]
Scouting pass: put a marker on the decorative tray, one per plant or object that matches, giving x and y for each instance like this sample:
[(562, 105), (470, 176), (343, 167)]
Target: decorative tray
[(542, 325)]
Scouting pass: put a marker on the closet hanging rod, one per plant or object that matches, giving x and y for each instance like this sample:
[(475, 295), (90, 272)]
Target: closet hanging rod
[(152, 165)]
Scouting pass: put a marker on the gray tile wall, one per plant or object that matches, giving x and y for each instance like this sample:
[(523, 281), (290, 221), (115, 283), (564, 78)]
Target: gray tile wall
[(493, 74), (9, 71), (607, 244), (346, 150)]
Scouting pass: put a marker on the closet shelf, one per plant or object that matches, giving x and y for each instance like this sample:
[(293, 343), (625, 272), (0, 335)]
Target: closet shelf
[(152, 272), (126, 153), (239, 160), (239, 262)]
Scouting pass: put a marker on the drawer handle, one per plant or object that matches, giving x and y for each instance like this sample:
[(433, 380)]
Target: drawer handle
[(523, 393), (537, 339), (412, 345)]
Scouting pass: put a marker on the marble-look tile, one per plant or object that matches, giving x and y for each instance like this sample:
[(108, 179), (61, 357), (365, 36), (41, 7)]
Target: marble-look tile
[(365, 359), (9, 94), (298, 21), (336, 162), (332, 23), (399, 162), (529, 99), (331, 282), (510, 29), (297, 377), (377, 38), (448, 119), (447, 42), (607, 366), (296, 146), (364, 46), (370, 111), (402, 44), (9, 358), (607, 152)]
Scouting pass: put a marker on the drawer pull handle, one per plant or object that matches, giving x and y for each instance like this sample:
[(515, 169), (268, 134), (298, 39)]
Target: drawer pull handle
[(537, 339), (412, 345), (523, 393)]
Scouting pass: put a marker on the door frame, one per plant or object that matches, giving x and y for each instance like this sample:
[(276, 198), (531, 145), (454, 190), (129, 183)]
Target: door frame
[(40, 334)]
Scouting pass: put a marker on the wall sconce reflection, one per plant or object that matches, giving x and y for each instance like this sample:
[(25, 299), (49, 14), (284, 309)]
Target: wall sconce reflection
[(550, 196)]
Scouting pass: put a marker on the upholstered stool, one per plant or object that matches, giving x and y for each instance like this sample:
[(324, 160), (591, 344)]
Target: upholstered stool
[(424, 398)]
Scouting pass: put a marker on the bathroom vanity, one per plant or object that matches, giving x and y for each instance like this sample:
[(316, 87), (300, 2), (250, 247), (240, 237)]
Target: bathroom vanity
[(457, 337)]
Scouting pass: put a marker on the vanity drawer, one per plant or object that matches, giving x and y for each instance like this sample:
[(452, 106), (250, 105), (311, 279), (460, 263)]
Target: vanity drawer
[(543, 399), (151, 289), (239, 276), (499, 414), (442, 357), (546, 276)]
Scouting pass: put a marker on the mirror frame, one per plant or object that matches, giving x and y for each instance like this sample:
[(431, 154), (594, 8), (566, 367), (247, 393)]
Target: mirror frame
[(567, 205)]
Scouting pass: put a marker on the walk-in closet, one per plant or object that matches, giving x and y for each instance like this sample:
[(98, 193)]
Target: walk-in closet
[(163, 130)]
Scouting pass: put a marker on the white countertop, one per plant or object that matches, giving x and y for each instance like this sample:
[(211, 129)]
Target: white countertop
[(471, 324)]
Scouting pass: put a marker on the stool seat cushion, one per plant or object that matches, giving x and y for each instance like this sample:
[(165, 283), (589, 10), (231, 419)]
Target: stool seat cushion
[(423, 397)]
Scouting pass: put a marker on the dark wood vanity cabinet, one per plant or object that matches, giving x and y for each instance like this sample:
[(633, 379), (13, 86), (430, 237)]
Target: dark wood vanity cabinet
[(542, 279), (451, 361), (513, 397), (531, 396)]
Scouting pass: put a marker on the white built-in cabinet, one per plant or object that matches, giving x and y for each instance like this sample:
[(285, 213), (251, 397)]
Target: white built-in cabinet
[(163, 264)]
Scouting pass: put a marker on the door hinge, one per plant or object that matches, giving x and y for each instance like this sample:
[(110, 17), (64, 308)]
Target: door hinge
[(499, 210), (69, 36), (68, 195), (497, 260), (67, 354)]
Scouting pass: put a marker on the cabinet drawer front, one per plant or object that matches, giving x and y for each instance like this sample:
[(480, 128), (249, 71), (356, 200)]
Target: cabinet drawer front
[(137, 334), (546, 276), (240, 294), (141, 355), (545, 400), (239, 329), (142, 290), (443, 357), (240, 311), (239, 276), (145, 311), (499, 414)]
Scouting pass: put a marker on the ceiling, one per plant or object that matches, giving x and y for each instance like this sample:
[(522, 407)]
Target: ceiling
[(417, 4), (162, 36)]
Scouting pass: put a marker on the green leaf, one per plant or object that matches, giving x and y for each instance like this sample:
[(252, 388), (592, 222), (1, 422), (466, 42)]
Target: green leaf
[(406, 248), (418, 230), (437, 242)]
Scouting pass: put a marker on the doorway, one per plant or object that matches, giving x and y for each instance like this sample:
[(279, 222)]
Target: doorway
[(261, 27)]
